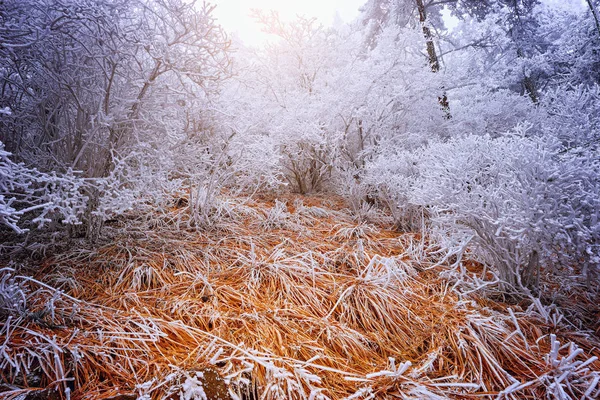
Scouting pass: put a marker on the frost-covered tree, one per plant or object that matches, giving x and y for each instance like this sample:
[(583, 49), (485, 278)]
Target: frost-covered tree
[(91, 82), (377, 14), (328, 102), (86, 75), (513, 178)]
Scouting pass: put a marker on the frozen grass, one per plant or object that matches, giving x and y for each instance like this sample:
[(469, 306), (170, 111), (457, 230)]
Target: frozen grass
[(257, 308)]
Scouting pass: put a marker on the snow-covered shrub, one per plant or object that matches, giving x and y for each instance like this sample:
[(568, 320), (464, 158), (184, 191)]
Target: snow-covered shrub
[(239, 163), (392, 176), (491, 189), (139, 180), (44, 196), (573, 119), (281, 102), (518, 201), (307, 164)]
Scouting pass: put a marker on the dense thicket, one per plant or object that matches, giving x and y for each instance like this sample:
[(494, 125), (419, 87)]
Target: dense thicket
[(484, 137), (442, 239)]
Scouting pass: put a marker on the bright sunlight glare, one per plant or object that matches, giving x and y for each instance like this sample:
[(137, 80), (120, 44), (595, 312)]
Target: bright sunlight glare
[(234, 15)]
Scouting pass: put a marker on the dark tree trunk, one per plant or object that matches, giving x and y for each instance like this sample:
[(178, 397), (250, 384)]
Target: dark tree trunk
[(594, 10), (434, 62)]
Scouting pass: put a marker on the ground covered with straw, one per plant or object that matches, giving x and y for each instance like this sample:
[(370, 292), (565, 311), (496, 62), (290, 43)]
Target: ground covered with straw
[(285, 299)]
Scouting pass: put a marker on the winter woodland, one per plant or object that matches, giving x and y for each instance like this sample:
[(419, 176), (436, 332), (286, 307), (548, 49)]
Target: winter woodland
[(480, 142)]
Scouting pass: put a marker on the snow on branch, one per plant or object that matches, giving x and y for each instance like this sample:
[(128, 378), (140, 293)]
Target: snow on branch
[(41, 196)]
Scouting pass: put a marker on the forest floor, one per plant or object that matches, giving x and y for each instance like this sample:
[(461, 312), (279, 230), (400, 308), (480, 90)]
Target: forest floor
[(284, 299)]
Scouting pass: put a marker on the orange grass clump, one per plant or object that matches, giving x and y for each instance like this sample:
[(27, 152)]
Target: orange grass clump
[(279, 303)]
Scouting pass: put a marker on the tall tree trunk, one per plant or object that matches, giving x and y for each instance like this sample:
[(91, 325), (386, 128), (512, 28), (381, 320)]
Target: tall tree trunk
[(433, 59), (528, 83), (434, 62), (594, 10)]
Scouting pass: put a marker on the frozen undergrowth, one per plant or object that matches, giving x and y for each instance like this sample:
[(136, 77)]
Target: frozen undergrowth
[(43, 197), (347, 312)]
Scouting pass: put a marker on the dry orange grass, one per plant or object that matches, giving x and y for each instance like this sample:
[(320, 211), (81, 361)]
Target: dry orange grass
[(287, 301)]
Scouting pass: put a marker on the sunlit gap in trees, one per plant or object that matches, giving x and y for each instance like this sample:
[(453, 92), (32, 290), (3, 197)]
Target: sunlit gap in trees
[(236, 15)]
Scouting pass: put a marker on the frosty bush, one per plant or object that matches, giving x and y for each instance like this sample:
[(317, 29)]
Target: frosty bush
[(571, 118), (519, 201), (196, 172), (566, 376), (45, 197), (236, 162), (392, 175), (139, 180)]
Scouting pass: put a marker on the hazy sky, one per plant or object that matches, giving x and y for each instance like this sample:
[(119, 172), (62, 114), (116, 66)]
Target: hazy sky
[(235, 18), (234, 14)]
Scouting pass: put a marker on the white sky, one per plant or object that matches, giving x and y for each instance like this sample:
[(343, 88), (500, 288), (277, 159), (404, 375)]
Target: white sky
[(233, 15)]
